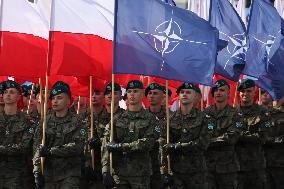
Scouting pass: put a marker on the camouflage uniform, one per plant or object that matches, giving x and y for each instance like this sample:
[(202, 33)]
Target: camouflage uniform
[(188, 166), (65, 137), (274, 149), (249, 147), (221, 159), (155, 155), (94, 177), (16, 135), (131, 166)]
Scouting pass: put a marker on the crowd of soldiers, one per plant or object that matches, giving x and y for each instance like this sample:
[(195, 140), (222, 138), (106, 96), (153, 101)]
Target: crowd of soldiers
[(222, 147)]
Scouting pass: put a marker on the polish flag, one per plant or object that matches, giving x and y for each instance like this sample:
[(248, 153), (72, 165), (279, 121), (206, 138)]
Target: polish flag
[(24, 39), (81, 38)]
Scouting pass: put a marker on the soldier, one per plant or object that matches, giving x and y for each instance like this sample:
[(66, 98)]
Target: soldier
[(249, 147), (2, 84), (134, 138), (16, 136), (155, 95), (274, 148), (221, 159), (94, 177), (188, 142), (64, 145), (266, 99)]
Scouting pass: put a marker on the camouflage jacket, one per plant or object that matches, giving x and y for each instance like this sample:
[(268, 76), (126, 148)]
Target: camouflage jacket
[(65, 137), (274, 147), (16, 135), (255, 124), (136, 132), (220, 155), (192, 132)]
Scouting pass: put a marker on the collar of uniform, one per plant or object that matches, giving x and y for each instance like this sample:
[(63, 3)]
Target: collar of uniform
[(223, 113), (15, 117), (193, 113), (249, 110), (161, 114), (133, 115), (61, 120)]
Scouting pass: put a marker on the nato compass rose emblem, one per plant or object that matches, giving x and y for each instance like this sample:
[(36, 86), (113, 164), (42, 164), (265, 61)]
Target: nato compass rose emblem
[(167, 36), (237, 47)]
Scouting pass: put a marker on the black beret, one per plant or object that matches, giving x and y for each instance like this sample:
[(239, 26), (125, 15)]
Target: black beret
[(12, 84), (2, 87), (219, 83), (246, 83), (153, 86), (58, 88), (117, 87), (186, 85), (134, 84)]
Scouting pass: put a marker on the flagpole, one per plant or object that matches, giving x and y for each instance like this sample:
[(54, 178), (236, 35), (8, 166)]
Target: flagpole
[(111, 122), (168, 124), (92, 120), (259, 96), (44, 119), (202, 102), (235, 96), (30, 99), (40, 99), (78, 104)]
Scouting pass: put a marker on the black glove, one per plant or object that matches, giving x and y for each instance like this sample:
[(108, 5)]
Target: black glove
[(114, 147), (167, 179), (39, 180), (43, 151), (108, 180), (94, 143), (171, 148)]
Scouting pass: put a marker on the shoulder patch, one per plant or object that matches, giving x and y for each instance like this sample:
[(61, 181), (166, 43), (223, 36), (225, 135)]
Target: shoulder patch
[(31, 130), (210, 126), (83, 131), (157, 129), (239, 124)]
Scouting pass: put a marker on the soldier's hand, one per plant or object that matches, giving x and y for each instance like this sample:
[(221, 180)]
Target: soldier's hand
[(114, 147), (43, 151), (108, 180), (94, 143), (167, 179), (39, 180)]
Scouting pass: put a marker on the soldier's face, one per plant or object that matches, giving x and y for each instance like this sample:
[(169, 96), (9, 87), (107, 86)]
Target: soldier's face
[(134, 96), (222, 94), (247, 96), (98, 98), (187, 96), (155, 97), (11, 96), (117, 98), (266, 98), (60, 102)]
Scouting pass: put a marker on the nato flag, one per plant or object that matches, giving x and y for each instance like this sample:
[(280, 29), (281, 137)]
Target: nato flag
[(157, 39)]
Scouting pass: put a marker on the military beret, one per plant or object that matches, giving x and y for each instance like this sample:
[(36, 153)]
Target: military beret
[(109, 86), (26, 90), (246, 83), (2, 87), (58, 88), (197, 89), (153, 86), (169, 91), (12, 84), (219, 83), (36, 90), (186, 85), (134, 84)]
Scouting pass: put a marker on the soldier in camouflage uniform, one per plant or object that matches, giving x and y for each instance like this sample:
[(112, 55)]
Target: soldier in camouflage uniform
[(254, 131), (64, 145), (188, 142), (134, 138), (16, 136), (155, 94), (94, 177), (266, 99), (221, 159), (274, 149), (1, 96)]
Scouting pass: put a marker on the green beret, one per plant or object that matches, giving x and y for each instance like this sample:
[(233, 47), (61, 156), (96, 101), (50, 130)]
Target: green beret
[(186, 85), (2, 87), (169, 91), (26, 90), (134, 84), (153, 86), (109, 86), (12, 84), (246, 83), (219, 83), (197, 89), (58, 88)]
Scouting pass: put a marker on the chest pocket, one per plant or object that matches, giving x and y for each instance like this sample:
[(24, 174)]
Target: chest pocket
[(15, 135), (191, 130), (69, 133)]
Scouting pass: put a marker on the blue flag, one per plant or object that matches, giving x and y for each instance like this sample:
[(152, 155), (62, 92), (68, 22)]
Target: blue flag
[(157, 39), (230, 60), (265, 53)]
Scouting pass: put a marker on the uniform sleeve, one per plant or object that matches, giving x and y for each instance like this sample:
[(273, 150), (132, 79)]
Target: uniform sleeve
[(37, 142), (75, 147), (104, 151)]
